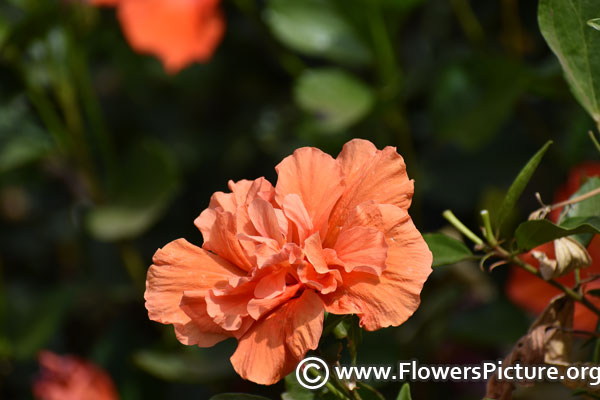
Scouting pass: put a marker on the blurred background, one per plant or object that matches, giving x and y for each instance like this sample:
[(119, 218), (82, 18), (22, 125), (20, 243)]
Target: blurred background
[(105, 157)]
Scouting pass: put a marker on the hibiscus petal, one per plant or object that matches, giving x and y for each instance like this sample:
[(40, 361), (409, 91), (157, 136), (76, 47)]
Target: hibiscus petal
[(181, 266), (178, 31), (275, 344), (371, 175), (219, 230), (294, 210), (362, 249), (316, 178), (258, 307), (263, 217), (392, 298), (314, 253)]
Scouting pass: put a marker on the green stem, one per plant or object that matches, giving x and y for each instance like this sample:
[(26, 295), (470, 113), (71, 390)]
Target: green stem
[(487, 228), (449, 215), (468, 21), (330, 386), (594, 140)]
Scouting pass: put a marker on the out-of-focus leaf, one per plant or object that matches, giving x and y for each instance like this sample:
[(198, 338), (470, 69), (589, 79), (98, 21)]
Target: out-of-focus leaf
[(147, 185), (518, 185), (237, 396), (335, 98), (44, 322), (404, 393), (446, 250), (401, 5), (295, 391), (473, 100), (531, 234), (316, 28), (577, 45), (368, 392), (180, 367), (21, 141), (472, 326)]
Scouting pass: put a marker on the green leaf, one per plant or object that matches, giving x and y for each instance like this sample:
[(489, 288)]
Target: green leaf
[(316, 28), (531, 234), (517, 187), (404, 393), (45, 321), (587, 208), (181, 367), (335, 98), (147, 185), (446, 250), (564, 25), (237, 396), (295, 391)]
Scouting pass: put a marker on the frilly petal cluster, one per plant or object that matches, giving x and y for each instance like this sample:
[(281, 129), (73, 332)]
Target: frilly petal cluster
[(333, 235)]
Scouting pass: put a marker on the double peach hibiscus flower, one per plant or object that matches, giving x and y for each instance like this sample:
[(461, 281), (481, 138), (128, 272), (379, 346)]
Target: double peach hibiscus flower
[(333, 235)]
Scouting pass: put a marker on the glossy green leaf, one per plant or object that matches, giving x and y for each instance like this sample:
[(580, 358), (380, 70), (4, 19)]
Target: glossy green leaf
[(446, 250), (564, 25), (335, 98), (519, 184), (237, 396), (404, 393), (146, 187), (316, 28), (531, 234)]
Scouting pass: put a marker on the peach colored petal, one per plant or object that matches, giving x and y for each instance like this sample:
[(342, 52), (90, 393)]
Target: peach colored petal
[(201, 330), (179, 32), (314, 253), (316, 178), (294, 210), (258, 307), (392, 298), (263, 217), (227, 306), (275, 344), (371, 176), (242, 193), (219, 230), (323, 283), (271, 285), (362, 249), (181, 266)]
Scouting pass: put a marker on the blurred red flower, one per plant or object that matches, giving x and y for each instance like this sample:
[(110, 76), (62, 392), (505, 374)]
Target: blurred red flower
[(534, 294), (70, 378), (179, 32), (333, 234)]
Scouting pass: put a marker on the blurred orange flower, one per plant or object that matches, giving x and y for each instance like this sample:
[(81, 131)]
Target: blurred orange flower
[(69, 378), (534, 294), (333, 234), (179, 32)]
